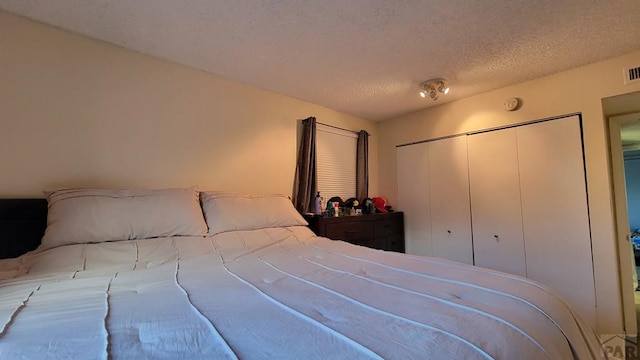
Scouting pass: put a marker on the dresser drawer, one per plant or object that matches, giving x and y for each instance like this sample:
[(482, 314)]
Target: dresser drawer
[(356, 232), (388, 227), (394, 243)]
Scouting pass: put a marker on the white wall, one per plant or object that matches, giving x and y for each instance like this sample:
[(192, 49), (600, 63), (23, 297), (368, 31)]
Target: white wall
[(80, 112), (578, 90)]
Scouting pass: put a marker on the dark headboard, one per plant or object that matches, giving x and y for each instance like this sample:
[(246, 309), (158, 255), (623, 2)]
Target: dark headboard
[(22, 224)]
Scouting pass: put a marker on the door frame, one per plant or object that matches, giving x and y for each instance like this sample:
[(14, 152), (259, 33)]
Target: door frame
[(623, 236)]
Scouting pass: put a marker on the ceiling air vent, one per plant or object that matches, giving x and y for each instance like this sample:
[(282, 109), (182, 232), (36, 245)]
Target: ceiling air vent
[(631, 75)]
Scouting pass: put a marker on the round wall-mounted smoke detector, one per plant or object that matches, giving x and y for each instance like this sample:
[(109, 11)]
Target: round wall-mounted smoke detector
[(511, 104)]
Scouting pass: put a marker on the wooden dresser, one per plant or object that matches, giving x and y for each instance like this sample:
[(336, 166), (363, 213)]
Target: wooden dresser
[(378, 231)]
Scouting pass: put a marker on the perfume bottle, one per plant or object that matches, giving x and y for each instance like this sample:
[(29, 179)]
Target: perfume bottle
[(318, 204)]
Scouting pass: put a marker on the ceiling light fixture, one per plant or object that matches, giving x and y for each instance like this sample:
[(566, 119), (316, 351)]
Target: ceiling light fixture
[(433, 88)]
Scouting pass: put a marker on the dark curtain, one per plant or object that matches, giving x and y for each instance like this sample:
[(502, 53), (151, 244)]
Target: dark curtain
[(305, 185), (362, 166)]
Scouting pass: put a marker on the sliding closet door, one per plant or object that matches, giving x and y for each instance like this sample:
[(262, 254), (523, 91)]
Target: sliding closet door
[(498, 241), (449, 193), (413, 197), (554, 208)]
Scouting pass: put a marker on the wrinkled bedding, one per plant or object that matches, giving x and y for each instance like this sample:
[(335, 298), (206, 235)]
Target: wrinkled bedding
[(274, 293)]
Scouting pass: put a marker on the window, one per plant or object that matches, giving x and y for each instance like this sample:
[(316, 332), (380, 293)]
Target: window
[(336, 161)]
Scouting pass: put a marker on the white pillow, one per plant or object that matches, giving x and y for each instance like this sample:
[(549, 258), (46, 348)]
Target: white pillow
[(94, 215), (229, 212)]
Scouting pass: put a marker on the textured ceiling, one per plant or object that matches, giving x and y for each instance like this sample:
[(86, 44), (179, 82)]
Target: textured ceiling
[(363, 57)]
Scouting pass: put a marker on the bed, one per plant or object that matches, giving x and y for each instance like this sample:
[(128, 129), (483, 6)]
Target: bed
[(180, 274)]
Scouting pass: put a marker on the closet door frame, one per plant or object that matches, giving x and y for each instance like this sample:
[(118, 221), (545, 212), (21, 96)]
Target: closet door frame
[(579, 116)]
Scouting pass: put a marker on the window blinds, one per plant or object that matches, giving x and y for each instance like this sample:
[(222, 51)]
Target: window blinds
[(336, 161)]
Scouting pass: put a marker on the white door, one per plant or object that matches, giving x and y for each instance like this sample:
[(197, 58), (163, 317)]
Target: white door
[(449, 194), (498, 241), (554, 211), (413, 197)]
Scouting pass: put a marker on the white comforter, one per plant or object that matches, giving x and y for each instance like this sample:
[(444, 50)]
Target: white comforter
[(272, 294)]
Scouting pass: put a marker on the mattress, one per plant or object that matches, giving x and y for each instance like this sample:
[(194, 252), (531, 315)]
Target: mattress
[(274, 293)]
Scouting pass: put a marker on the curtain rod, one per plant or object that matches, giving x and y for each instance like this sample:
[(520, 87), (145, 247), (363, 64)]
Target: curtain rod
[(336, 127)]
